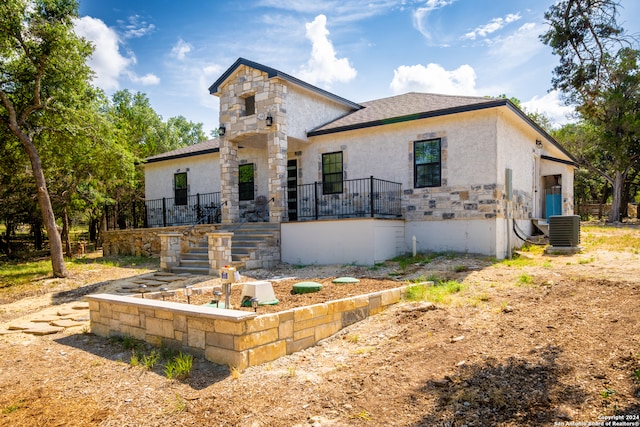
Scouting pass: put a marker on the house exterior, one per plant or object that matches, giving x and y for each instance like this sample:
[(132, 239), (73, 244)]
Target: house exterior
[(364, 182)]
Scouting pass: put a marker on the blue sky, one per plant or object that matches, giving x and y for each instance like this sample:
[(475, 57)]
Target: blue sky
[(358, 49)]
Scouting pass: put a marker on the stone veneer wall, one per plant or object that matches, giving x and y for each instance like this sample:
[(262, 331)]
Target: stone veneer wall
[(146, 241), (471, 202), (231, 337)]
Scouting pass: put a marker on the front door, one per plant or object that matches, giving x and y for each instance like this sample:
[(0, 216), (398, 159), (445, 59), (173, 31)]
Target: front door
[(292, 189)]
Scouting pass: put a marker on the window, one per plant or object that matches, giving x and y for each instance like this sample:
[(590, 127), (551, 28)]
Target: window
[(250, 105), (332, 173), (246, 183), (427, 165), (180, 188)]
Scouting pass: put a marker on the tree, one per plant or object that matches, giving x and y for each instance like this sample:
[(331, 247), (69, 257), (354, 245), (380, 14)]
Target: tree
[(43, 70), (599, 73)]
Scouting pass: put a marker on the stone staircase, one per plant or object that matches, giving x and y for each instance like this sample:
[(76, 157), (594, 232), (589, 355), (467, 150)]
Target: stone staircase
[(254, 245)]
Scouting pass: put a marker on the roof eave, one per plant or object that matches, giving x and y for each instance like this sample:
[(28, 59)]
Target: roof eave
[(410, 117), (181, 156)]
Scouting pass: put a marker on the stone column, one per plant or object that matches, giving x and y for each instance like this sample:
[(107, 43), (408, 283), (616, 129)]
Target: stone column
[(219, 251), (277, 154), (169, 250), (229, 181)]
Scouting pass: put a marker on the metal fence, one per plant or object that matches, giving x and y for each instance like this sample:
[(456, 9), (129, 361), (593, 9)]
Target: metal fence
[(199, 208), (365, 197)]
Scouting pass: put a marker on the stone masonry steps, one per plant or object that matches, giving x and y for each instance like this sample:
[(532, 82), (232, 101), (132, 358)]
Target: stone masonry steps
[(246, 239)]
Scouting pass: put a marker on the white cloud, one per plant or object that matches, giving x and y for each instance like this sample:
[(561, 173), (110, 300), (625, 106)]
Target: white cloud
[(494, 25), (324, 66), (519, 47), (106, 61), (434, 79), (148, 79), (136, 27), (420, 15), (180, 49), (551, 106)]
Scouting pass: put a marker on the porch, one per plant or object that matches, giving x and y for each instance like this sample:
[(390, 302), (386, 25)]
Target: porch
[(355, 198)]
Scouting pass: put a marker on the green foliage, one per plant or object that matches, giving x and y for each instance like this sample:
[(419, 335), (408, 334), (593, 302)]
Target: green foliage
[(150, 360), (12, 408), (599, 73), (179, 366), (607, 393), (525, 279), (440, 292)]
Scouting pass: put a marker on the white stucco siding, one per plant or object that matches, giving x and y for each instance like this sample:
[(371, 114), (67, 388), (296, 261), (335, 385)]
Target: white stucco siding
[(517, 151), (471, 148), (359, 241), (307, 110), (386, 152), (203, 175), (467, 236)]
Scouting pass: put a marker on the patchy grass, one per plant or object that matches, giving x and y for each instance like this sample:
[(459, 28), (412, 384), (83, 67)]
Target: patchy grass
[(439, 292), (623, 239), (20, 279)]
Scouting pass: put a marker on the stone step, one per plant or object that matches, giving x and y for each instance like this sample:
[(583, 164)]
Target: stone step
[(204, 271)]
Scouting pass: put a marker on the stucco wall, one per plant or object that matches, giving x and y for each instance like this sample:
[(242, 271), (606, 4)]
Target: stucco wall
[(359, 241), (307, 110), (467, 236), (203, 175)]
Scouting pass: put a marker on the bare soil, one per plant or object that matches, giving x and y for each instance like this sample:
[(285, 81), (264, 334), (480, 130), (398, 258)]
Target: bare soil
[(551, 341)]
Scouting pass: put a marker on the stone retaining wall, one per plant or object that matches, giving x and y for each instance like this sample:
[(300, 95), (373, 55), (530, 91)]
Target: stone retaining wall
[(231, 337), (146, 241)]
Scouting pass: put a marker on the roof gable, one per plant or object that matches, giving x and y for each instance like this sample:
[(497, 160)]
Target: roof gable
[(272, 72)]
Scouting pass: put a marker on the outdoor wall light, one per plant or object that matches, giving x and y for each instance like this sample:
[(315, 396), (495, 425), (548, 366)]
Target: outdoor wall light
[(164, 291), (254, 303), (222, 130), (538, 143), (269, 119), (188, 291)]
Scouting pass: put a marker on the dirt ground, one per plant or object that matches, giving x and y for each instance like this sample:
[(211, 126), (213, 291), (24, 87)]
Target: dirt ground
[(548, 341)]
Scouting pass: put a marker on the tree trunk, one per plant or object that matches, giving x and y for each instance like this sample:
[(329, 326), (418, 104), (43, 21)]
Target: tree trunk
[(616, 193), (55, 243), (65, 232), (36, 228)]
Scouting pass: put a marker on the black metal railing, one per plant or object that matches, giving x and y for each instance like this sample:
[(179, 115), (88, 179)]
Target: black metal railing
[(199, 209), (365, 197)]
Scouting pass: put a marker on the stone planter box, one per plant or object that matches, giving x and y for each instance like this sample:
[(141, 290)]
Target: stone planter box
[(231, 337)]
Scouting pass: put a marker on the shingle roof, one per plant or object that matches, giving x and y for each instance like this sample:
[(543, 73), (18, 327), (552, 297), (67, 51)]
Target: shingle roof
[(409, 106), (204, 147)]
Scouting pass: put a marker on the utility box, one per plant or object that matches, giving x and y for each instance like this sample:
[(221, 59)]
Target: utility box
[(228, 275), (564, 230)]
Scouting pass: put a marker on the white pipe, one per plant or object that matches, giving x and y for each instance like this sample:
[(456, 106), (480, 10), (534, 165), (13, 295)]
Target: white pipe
[(414, 245)]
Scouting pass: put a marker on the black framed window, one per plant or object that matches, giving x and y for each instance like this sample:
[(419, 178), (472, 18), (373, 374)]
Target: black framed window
[(332, 176), (427, 164), (250, 105), (246, 181), (180, 188)]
